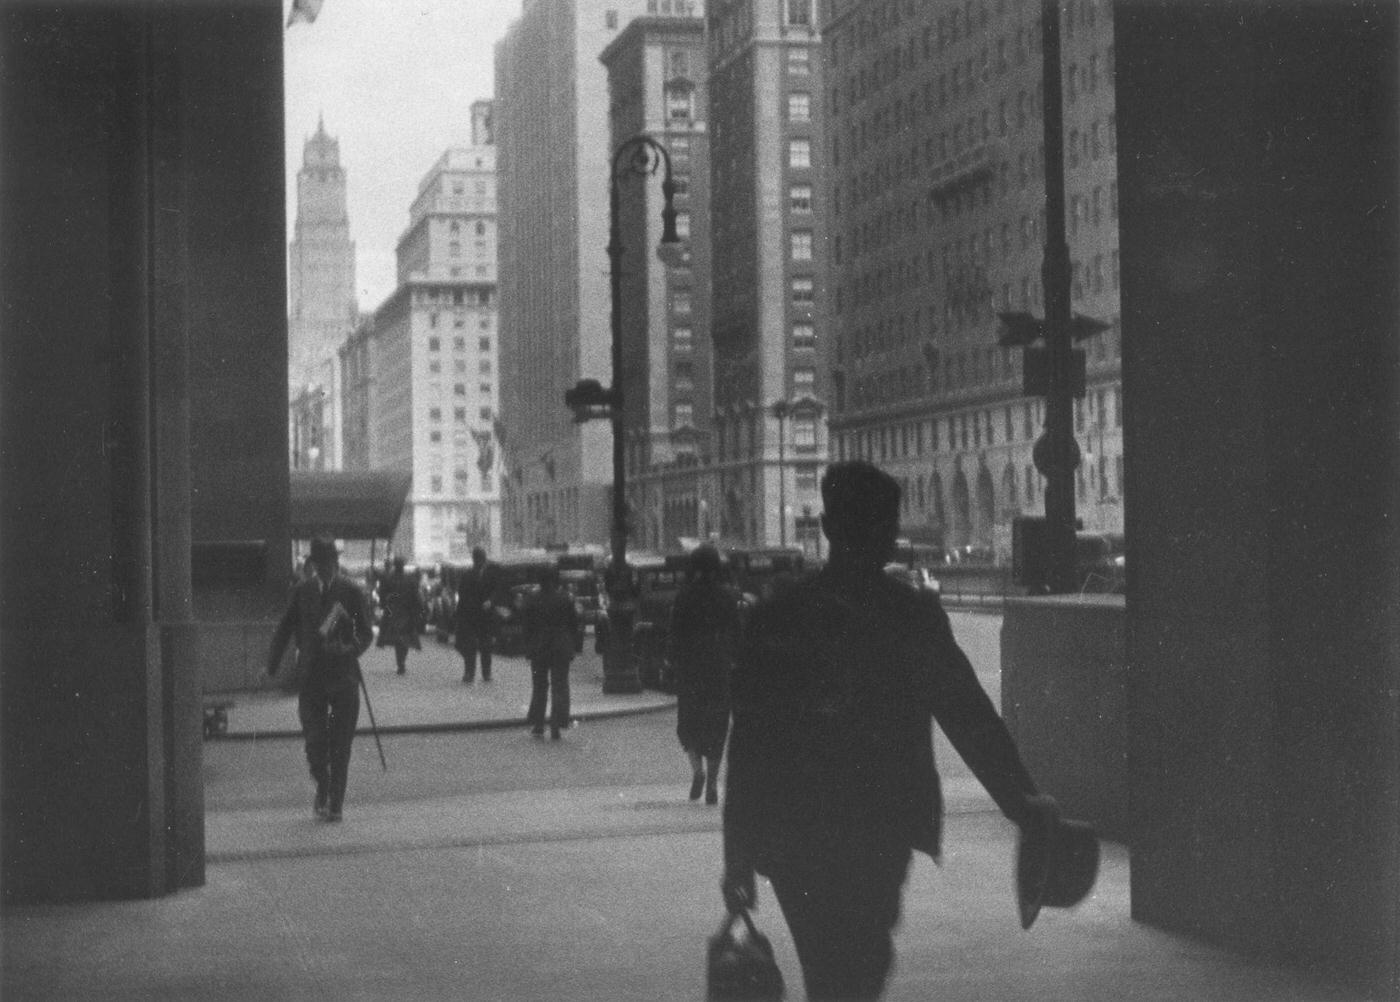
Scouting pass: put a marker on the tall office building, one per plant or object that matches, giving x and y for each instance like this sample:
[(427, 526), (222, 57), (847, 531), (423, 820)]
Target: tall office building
[(656, 82), (936, 147), (428, 377), (552, 132), (322, 304), (765, 81)]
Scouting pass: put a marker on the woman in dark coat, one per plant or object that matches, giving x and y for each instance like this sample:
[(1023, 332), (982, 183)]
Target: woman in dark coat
[(403, 614), (704, 636)]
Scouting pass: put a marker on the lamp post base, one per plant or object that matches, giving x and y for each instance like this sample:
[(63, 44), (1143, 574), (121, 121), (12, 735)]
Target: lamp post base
[(619, 668)]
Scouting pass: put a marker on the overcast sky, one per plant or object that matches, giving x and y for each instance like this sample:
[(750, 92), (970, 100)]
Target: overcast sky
[(395, 82)]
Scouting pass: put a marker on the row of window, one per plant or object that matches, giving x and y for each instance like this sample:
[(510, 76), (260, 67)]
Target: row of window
[(462, 482), (459, 366), (448, 296), (459, 414), (483, 344), (940, 371), (740, 438)]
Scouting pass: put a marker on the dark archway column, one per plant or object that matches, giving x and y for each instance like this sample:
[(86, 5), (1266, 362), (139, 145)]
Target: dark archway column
[(1257, 153), (143, 316)]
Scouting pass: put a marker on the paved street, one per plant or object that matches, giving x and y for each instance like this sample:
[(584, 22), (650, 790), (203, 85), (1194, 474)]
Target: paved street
[(488, 865)]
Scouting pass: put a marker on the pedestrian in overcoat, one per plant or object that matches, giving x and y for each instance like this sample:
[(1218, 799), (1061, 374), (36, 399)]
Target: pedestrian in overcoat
[(703, 639), (328, 617), (475, 621), (551, 631), (402, 602)]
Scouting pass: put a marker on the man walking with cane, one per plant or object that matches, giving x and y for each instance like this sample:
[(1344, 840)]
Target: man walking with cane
[(329, 618)]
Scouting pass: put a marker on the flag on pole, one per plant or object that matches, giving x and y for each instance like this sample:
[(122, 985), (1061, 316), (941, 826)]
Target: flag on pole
[(304, 10)]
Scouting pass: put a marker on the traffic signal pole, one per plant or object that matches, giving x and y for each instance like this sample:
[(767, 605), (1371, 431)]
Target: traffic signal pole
[(1056, 452)]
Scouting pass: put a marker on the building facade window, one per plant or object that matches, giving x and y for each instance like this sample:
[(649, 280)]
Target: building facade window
[(682, 338), (804, 381), (799, 12), (801, 245), (804, 335), (680, 103), (799, 153), (683, 415), (804, 434), (799, 106), (800, 198)]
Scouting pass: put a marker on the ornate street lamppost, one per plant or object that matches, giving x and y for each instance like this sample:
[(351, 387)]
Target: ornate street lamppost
[(640, 156)]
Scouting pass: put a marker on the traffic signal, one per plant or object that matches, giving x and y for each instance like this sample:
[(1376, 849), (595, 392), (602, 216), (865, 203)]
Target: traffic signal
[(589, 400)]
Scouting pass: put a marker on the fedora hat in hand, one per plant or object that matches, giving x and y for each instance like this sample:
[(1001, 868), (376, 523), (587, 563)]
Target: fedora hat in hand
[(1057, 861)]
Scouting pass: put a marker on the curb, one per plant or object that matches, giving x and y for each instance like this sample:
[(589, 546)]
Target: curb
[(447, 727)]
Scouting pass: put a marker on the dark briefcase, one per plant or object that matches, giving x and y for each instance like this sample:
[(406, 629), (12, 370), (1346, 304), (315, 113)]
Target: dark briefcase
[(742, 968)]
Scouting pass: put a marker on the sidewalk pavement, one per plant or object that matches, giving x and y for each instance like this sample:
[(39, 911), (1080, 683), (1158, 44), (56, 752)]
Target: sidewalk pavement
[(587, 893), (592, 893), (431, 696)]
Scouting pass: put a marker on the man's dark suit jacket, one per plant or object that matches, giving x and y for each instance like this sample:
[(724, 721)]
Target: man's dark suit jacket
[(834, 692), (310, 602), (475, 587)]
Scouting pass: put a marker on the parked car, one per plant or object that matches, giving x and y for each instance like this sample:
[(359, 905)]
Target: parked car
[(657, 580), (918, 578), (581, 574), (520, 577)]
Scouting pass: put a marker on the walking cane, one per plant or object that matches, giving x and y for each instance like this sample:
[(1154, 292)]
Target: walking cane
[(374, 728)]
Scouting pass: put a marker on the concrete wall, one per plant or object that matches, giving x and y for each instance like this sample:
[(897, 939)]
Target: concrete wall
[(1258, 166), (1064, 696)]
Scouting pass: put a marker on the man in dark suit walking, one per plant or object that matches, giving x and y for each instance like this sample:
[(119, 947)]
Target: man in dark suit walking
[(475, 621), (329, 618), (831, 779)]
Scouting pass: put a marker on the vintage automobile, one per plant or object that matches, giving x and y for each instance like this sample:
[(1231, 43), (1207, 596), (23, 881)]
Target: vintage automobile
[(656, 580), (520, 576), (759, 573), (581, 575)]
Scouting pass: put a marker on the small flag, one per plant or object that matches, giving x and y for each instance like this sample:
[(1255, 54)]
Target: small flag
[(304, 10)]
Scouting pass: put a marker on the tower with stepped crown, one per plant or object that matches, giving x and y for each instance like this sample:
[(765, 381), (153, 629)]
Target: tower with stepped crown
[(322, 305)]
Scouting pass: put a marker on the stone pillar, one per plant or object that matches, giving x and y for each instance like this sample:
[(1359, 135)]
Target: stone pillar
[(1257, 152), (143, 273)]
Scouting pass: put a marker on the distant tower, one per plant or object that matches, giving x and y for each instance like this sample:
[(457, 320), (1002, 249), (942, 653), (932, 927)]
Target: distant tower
[(321, 284)]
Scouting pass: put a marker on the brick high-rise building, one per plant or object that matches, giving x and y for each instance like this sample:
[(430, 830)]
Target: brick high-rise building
[(765, 81), (937, 195), (552, 133), (656, 76)]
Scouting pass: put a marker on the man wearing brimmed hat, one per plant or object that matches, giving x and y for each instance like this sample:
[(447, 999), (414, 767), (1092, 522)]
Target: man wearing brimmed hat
[(831, 779), (329, 618)]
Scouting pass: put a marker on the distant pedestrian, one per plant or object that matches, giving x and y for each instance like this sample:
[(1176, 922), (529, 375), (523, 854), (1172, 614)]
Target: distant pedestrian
[(475, 620), (703, 640), (402, 602), (551, 630), (328, 616), (831, 778)]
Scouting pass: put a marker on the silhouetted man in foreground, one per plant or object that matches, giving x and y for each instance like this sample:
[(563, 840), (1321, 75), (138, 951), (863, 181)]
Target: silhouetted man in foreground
[(329, 617), (831, 779)]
